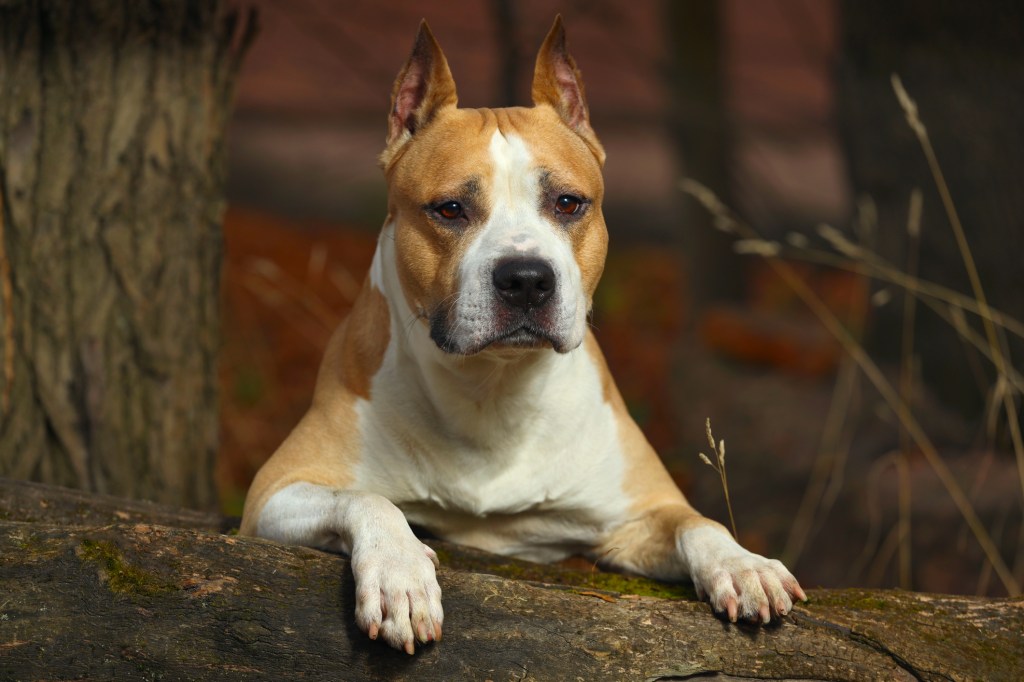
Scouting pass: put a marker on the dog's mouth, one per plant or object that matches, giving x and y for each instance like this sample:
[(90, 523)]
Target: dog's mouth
[(525, 336), (520, 334)]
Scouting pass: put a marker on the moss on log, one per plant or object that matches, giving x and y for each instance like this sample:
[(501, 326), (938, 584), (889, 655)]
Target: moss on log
[(90, 596)]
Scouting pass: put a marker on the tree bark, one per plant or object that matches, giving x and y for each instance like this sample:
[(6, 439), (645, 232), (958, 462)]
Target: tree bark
[(140, 601), (112, 119), (699, 124)]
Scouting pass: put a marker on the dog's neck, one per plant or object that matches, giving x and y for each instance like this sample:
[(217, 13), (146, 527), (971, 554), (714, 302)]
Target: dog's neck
[(485, 397)]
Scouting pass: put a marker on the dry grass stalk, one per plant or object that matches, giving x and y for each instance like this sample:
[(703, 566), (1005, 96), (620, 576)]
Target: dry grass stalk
[(872, 548), (295, 291), (874, 374), (878, 268), (719, 466), (998, 356), (907, 387), (827, 466)]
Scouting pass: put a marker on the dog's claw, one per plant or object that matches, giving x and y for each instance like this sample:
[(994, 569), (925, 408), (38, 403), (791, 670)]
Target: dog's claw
[(398, 599), (742, 584)]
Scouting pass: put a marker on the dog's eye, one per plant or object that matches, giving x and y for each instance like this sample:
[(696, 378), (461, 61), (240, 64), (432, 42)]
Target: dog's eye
[(449, 210), (567, 204)]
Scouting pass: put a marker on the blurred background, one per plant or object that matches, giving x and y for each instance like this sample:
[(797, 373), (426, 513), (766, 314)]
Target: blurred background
[(783, 109)]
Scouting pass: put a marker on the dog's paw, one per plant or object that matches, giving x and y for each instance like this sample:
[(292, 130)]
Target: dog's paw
[(397, 595), (739, 584)]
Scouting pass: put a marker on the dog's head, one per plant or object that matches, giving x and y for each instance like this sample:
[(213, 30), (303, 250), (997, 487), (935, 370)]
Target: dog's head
[(499, 236)]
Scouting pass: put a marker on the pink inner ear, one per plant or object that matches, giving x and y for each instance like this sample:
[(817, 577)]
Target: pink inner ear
[(571, 99), (410, 96)]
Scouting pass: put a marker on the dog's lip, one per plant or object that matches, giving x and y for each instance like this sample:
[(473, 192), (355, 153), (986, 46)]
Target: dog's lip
[(519, 337), (523, 336), (522, 332)]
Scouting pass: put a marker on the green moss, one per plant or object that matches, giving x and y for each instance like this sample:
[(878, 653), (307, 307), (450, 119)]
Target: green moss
[(644, 587), (121, 576), (862, 600), (558, 575)]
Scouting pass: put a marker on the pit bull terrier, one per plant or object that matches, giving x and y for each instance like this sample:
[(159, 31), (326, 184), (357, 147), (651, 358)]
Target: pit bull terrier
[(465, 392)]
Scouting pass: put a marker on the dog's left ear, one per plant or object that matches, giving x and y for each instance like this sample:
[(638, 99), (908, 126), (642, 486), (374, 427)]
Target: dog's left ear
[(558, 83)]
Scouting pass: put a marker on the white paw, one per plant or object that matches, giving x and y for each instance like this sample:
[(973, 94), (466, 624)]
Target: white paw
[(738, 583), (397, 595)]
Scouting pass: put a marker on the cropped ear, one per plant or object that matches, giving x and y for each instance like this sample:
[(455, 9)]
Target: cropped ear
[(558, 83), (424, 85)]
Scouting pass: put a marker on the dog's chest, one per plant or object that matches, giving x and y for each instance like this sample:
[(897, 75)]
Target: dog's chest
[(534, 472), (542, 504), (554, 466)]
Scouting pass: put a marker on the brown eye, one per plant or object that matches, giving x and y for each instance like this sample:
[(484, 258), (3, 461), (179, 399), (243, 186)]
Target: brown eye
[(449, 210), (568, 204)]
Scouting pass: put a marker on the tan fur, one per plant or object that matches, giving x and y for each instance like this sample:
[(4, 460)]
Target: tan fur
[(430, 254), (646, 542), (324, 447), (647, 483), (363, 346), (558, 149)]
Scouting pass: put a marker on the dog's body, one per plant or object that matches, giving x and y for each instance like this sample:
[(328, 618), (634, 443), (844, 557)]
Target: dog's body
[(465, 393)]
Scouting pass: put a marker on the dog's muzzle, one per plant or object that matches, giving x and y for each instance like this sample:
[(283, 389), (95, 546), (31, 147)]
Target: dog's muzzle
[(521, 313)]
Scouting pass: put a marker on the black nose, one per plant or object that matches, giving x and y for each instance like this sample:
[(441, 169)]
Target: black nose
[(524, 283)]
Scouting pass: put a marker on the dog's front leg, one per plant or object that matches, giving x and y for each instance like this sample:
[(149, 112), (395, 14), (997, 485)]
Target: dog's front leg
[(674, 542), (397, 595)]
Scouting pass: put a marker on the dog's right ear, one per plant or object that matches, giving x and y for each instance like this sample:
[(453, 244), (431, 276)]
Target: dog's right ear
[(424, 85)]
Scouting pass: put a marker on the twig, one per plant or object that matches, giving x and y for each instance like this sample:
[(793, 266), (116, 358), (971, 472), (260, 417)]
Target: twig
[(719, 466)]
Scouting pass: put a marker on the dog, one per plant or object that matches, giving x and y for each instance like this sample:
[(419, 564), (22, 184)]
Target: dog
[(465, 393)]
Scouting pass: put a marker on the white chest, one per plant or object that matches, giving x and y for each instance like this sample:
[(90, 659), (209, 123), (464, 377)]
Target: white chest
[(539, 468)]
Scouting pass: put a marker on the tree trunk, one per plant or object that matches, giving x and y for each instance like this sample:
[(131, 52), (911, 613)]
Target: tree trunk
[(699, 126), (112, 119), (93, 591)]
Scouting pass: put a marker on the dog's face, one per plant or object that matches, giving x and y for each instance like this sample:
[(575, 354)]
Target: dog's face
[(499, 236)]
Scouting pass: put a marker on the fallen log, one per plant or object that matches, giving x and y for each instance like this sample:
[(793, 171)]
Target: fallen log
[(88, 593)]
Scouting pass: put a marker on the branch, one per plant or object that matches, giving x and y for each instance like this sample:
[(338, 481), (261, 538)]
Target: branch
[(132, 599)]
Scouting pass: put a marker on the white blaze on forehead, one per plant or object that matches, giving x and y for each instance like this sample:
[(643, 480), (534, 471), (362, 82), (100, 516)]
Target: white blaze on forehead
[(515, 188), (517, 226)]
